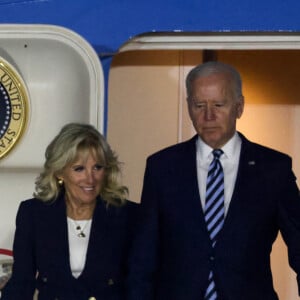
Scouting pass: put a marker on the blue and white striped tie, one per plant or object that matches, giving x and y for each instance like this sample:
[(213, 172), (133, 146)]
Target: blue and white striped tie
[(214, 211)]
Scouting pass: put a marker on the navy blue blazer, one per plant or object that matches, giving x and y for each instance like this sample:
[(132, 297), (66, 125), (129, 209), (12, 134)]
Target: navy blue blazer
[(172, 255), (41, 247)]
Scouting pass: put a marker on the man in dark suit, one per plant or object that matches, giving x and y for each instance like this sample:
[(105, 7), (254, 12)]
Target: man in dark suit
[(209, 217)]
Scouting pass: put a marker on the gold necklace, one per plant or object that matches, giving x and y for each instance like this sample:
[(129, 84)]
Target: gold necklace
[(80, 229)]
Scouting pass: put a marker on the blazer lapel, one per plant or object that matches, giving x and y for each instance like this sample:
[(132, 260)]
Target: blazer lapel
[(98, 232), (54, 234)]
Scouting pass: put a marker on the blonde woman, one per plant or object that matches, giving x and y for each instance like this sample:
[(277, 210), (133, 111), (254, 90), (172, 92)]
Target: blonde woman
[(72, 239)]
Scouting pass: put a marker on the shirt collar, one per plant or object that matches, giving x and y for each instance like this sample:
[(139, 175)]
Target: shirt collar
[(230, 149)]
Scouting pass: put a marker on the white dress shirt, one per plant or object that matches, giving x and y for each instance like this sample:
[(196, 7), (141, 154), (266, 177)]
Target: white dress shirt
[(229, 160)]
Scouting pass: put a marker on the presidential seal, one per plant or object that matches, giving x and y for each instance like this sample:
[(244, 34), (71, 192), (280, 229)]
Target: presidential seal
[(13, 107)]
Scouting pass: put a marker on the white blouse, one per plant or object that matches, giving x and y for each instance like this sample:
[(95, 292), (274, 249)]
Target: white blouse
[(79, 234)]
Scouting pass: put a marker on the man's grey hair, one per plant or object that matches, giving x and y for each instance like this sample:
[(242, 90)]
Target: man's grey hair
[(215, 67)]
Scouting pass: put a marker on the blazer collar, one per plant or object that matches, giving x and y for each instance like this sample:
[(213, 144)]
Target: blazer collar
[(58, 218)]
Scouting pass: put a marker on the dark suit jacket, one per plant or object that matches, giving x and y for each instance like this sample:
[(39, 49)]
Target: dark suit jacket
[(172, 256), (41, 245)]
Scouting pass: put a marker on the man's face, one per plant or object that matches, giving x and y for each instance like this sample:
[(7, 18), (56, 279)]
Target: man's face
[(213, 109)]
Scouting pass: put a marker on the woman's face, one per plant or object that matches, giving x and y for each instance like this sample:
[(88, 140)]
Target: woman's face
[(83, 180)]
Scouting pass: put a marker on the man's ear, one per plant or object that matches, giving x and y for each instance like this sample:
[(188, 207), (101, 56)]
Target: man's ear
[(240, 107)]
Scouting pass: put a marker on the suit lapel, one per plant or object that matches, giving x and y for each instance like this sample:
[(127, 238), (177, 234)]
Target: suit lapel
[(243, 190), (186, 179)]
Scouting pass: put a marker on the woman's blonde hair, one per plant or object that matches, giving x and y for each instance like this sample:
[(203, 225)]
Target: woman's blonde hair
[(72, 141)]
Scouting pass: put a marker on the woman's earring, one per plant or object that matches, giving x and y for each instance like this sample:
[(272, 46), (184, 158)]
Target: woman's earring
[(60, 181)]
